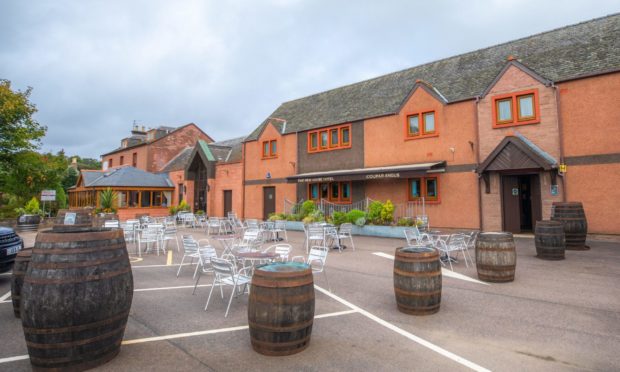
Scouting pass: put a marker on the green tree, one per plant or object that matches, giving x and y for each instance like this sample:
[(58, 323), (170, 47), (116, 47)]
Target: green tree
[(70, 178), (33, 172), (19, 131)]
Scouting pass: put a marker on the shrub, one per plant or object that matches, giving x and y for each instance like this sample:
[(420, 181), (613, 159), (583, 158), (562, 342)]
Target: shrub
[(172, 210), (277, 216), (32, 207), (293, 217), (360, 221), (107, 200), (338, 218), (307, 208), (200, 213), (183, 206), (405, 221), (374, 212), (307, 220), (354, 215), (387, 213)]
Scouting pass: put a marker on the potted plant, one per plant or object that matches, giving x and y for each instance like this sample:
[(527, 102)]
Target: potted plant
[(107, 206), (29, 216)]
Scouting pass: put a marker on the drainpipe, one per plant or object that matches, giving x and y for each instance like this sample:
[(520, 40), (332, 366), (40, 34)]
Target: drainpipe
[(478, 163), (561, 135)]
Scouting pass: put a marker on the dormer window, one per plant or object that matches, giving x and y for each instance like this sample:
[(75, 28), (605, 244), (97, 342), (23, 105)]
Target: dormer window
[(518, 108), (420, 125), (270, 149)]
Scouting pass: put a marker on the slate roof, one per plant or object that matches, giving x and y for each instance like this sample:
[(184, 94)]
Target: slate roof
[(570, 52), (229, 151), (125, 177), (178, 162)]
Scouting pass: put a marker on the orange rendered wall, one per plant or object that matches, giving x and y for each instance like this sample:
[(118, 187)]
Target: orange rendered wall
[(254, 198), (386, 144), (227, 177), (458, 206), (590, 110), (279, 168), (599, 195)]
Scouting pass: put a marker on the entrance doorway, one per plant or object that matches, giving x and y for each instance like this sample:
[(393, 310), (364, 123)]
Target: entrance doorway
[(200, 189), (521, 202), (227, 202), (269, 201)]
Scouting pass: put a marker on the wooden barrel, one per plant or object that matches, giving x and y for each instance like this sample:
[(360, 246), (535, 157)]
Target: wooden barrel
[(496, 257), (417, 280), (83, 220), (76, 298), (572, 215), (281, 308), (28, 222), (17, 278), (549, 240)]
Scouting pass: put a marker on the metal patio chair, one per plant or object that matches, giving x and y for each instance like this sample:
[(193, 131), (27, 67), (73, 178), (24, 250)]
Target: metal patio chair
[(225, 273)]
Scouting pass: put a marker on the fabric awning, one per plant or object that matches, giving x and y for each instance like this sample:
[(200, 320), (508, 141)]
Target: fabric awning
[(376, 173)]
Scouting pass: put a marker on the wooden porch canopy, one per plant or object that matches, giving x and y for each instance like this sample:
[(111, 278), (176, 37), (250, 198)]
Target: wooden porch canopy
[(516, 153), (376, 173)]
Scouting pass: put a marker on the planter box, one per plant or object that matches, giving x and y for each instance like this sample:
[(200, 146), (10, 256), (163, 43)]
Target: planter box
[(368, 230)]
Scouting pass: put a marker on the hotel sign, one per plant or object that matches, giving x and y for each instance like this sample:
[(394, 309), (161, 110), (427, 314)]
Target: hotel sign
[(361, 177), (382, 175)]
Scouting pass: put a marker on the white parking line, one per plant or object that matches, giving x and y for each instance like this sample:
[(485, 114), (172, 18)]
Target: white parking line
[(184, 335), (402, 332), (444, 271), (150, 266), (5, 296)]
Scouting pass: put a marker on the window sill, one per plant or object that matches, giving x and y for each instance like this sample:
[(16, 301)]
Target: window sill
[(516, 124), (426, 201), (269, 157), (329, 149), (422, 136)]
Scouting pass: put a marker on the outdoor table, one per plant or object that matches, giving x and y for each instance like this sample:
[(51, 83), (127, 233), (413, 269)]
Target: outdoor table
[(255, 258), (226, 241), (435, 235)]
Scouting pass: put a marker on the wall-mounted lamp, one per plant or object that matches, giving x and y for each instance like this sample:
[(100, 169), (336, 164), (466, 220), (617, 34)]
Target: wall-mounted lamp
[(268, 175), (292, 163), (472, 145)]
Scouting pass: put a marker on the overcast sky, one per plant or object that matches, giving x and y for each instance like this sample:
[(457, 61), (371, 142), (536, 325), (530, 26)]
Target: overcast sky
[(96, 66)]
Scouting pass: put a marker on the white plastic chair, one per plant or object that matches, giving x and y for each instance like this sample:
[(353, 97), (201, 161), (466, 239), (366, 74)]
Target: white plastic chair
[(224, 273), (315, 235), (204, 263), (190, 250), (170, 233), (147, 237), (214, 223)]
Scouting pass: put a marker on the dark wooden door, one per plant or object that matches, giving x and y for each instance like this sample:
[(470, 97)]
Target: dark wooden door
[(200, 189), (511, 212), (536, 201), (269, 201), (227, 202)]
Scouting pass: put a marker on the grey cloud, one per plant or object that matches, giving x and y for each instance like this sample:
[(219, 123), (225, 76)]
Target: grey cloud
[(95, 66)]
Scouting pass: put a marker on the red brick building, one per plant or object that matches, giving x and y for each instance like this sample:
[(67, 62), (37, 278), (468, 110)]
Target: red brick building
[(488, 139)]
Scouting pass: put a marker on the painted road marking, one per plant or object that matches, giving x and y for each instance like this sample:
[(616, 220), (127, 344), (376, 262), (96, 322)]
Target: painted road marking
[(6, 295), (188, 334), (402, 332), (150, 266), (444, 271), (137, 290), (169, 260), (135, 259)]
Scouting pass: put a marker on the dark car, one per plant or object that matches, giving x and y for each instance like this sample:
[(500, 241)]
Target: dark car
[(10, 244)]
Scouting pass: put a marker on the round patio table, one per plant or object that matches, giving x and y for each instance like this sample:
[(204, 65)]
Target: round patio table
[(255, 258)]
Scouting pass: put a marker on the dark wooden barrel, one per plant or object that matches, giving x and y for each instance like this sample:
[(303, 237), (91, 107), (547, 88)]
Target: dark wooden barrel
[(549, 240), (572, 215), (83, 220), (17, 278), (281, 308), (417, 280), (76, 298), (496, 257), (28, 222)]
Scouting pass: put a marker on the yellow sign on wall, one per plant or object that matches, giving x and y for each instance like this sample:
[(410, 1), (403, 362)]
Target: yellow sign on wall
[(562, 168)]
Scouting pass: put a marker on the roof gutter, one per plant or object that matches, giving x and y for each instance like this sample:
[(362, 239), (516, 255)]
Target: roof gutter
[(558, 107), (477, 145)]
